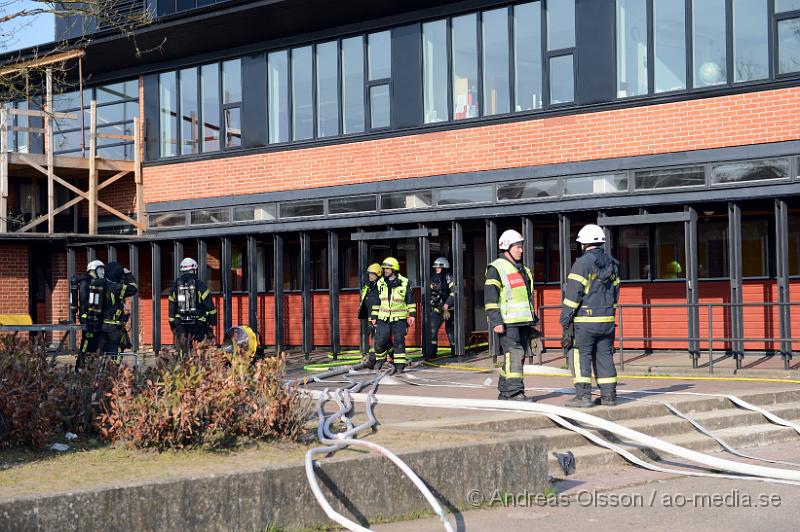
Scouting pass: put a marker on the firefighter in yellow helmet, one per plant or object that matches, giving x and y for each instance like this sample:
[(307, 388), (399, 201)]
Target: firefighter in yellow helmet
[(396, 312), (508, 300), (370, 304)]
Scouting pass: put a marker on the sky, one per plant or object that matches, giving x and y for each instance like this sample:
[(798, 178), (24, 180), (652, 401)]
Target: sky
[(25, 31)]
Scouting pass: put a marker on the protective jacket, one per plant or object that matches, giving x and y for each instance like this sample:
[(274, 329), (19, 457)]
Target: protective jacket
[(508, 294), (396, 301), (592, 289)]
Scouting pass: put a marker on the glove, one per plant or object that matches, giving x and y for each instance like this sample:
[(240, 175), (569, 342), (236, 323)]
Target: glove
[(566, 340), (446, 315)]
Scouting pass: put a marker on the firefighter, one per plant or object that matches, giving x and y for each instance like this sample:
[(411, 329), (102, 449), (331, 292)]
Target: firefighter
[(396, 313), (589, 306), (192, 314), (87, 295), (442, 299), (508, 299), (119, 285), (369, 306)]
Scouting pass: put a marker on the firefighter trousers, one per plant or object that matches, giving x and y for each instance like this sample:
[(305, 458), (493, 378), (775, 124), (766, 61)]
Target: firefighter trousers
[(512, 343), (436, 323), (593, 351), (391, 335), (186, 334)]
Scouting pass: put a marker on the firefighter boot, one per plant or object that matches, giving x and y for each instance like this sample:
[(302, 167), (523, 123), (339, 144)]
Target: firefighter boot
[(583, 396), (608, 395)]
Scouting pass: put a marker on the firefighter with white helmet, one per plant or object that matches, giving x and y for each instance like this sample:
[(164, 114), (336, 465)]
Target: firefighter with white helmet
[(192, 314), (86, 296), (120, 285), (442, 299), (590, 301), (508, 299), (395, 314)]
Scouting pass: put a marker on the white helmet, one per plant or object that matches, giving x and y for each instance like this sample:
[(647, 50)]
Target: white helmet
[(188, 265), (441, 262), (591, 234), (509, 238), (96, 269)]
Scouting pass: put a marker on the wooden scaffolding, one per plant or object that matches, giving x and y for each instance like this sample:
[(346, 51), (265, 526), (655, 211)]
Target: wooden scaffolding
[(97, 173)]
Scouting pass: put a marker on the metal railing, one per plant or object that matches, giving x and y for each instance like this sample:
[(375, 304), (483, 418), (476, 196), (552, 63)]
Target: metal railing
[(693, 342)]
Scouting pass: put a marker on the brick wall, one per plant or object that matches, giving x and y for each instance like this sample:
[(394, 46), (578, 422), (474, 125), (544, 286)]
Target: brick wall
[(753, 118), (14, 279)]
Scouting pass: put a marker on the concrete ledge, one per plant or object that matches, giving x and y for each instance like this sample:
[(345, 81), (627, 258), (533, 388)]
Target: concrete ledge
[(362, 488)]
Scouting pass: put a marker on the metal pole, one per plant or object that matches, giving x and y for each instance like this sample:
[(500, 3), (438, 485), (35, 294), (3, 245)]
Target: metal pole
[(202, 267), (710, 341), (362, 275), (111, 253), (333, 291), (491, 255), (621, 340), (425, 309), (226, 282), (177, 257), (91, 254), (460, 312), (529, 260), (4, 169), (48, 127), (305, 288), (133, 260), (735, 261), (565, 256), (252, 283), (70, 274), (692, 297), (155, 265), (782, 278), (277, 258)]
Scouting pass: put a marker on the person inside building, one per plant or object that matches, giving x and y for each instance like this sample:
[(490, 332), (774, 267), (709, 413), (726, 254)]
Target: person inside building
[(673, 270), (442, 299), (192, 314), (590, 301), (508, 300), (87, 295), (119, 286), (397, 312), (369, 305)]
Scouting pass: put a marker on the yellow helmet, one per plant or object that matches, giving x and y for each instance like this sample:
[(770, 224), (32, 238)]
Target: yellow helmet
[(375, 268), (391, 262)]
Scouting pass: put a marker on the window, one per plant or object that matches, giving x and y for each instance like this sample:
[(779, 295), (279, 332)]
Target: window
[(233, 127), (327, 89), (209, 84), (302, 90), (190, 112), (669, 45), (210, 216), (495, 47), (232, 101), (755, 247), (634, 252), (712, 248), (670, 251), (562, 80), (353, 85), (749, 171), (168, 114), (278, 96), (750, 40), (406, 200), (434, 71), (527, 190), (789, 46), (527, 56), (124, 90), (709, 42), (348, 265), (297, 209), (465, 66), (379, 50), (561, 24), (787, 5), (352, 204), (669, 177), (794, 244), (463, 195), (632, 48), (167, 219), (251, 213), (596, 184)]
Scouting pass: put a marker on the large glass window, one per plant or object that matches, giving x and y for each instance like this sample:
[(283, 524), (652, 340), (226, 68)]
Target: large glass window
[(669, 45), (709, 42), (527, 56), (634, 252), (560, 24), (278, 99), (296, 209), (353, 85), (209, 88), (351, 204), (787, 5), (496, 83), (434, 71), (302, 90), (670, 251), (190, 112), (233, 127), (738, 172), (232, 81), (596, 184), (380, 55), (528, 190), (168, 112), (750, 40), (562, 83), (406, 200), (465, 66), (789, 46), (463, 195), (631, 48), (379, 106), (669, 177), (712, 248), (755, 247), (327, 89)]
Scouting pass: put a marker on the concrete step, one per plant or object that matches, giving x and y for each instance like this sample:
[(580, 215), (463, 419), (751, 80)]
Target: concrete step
[(748, 437)]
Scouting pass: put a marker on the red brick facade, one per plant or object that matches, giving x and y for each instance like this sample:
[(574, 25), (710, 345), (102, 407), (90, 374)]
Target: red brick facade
[(753, 118), (14, 279)]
